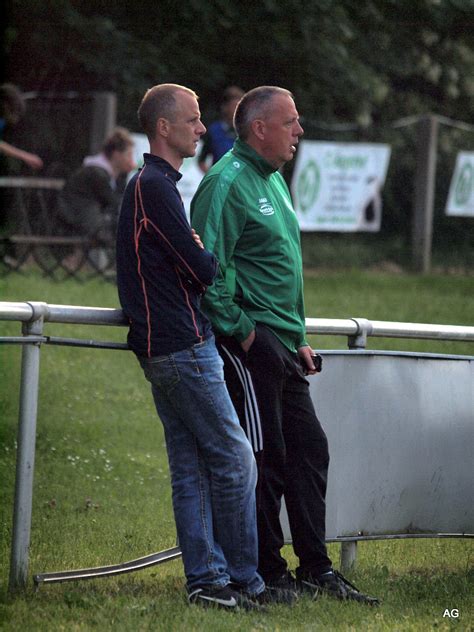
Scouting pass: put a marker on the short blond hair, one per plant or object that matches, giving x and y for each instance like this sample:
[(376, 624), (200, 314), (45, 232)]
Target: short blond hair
[(159, 102)]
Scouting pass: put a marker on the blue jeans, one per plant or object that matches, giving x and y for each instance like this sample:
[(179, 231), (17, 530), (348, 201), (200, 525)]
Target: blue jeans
[(213, 470)]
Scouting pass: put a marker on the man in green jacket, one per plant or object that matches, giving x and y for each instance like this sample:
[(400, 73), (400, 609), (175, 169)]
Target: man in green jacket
[(244, 214)]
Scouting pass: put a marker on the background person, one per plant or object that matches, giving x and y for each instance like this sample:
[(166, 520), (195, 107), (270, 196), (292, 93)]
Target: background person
[(88, 205), (12, 109), (220, 135), (162, 272), (244, 212), (90, 200)]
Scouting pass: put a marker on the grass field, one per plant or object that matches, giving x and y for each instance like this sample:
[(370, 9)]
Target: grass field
[(102, 491)]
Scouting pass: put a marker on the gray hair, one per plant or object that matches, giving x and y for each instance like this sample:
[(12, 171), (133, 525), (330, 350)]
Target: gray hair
[(255, 104), (159, 102)]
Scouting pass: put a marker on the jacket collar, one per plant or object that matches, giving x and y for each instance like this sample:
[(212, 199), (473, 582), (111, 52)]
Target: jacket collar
[(163, 165), (242, 150)]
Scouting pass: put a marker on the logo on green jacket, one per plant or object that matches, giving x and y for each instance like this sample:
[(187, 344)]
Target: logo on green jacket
[(308, 185), (265, 207)]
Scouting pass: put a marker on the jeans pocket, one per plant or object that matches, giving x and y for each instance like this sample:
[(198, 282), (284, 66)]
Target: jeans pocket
[(208, 364), (161, 371)]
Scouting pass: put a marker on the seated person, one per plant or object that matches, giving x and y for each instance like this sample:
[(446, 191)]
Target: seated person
[(90, 200)]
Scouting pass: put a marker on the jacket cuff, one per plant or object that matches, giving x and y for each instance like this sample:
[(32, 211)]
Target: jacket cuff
[(244, 327)]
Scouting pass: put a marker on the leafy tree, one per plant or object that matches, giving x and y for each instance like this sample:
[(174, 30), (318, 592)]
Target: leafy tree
[(363, 62), (355, 66)]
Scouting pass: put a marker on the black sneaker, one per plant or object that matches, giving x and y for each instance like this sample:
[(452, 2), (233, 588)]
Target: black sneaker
[(289, 583), (335, 585), (276, 595), (285, 581), (222, 597), (283, 594)]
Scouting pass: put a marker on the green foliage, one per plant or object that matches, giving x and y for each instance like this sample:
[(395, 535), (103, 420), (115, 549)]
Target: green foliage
[(366, 64), (366, 61)]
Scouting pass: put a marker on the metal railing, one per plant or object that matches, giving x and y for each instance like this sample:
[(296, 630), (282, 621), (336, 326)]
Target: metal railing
[(34, 314)]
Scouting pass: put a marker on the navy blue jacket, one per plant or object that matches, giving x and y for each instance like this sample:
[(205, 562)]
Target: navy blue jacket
[(161, 271), (218, 140)]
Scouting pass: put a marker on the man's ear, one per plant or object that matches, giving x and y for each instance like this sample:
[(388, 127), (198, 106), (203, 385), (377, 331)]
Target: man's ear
[(258, 128), (162, 127)]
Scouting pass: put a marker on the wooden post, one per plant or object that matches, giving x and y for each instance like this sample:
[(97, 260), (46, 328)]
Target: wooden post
[(104, 116), (422, 227)]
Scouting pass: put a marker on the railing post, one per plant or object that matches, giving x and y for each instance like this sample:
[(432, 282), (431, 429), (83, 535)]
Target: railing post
[(348, 555), (25, 459), (359, 339)]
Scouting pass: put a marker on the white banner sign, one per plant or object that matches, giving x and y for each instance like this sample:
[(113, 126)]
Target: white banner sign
[(337, 186), (192, 175), (461, 191)]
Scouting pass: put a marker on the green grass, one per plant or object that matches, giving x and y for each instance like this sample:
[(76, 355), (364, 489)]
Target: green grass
[(102, 492), (436, 299)]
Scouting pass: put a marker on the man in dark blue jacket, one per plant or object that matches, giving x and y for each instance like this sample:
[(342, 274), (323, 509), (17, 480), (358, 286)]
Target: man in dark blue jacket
[(162, 272), (220, 135)]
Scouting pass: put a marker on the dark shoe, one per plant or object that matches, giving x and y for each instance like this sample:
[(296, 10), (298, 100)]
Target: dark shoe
[(281, 590), (225, 598), (288, 582), (285, 581), (275, 595), (335, 585)]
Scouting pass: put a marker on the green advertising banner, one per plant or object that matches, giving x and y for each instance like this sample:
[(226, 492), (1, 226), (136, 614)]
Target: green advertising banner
[(337, 186), (461, 191)]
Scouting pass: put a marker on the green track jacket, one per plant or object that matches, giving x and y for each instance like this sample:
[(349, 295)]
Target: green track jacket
[(243, 212)]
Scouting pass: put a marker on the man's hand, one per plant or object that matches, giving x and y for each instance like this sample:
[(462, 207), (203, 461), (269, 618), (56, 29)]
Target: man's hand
[(305, 354), (197, 239), (247, 343)]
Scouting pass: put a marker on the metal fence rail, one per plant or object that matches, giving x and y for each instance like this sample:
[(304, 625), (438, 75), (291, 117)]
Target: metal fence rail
[(34, 314), (351, 327)]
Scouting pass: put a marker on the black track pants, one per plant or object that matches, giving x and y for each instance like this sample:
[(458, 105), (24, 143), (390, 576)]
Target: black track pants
[(271, 396)]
